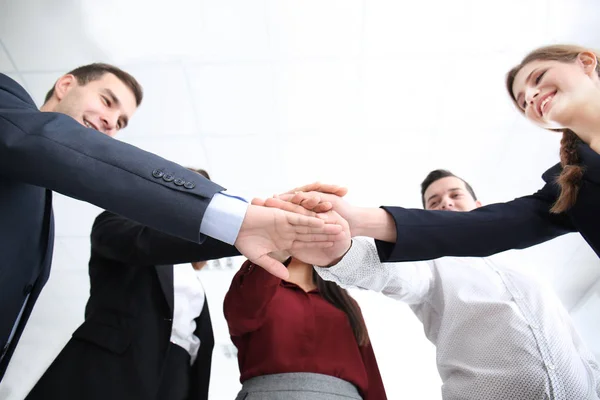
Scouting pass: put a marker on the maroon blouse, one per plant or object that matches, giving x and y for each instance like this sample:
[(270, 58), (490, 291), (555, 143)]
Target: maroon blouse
[(277, 327)]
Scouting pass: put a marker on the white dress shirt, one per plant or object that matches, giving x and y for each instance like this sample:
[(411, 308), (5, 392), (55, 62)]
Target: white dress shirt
[(223, 217), (499, 333), (187, 306)]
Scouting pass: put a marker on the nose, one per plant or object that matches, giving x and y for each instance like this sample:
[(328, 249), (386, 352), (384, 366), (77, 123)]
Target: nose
[(447, 204), (109, 122), (530, 94)]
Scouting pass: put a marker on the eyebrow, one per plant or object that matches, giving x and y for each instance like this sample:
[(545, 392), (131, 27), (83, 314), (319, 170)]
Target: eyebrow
[(437, 195), (117, 102), (526, 80)]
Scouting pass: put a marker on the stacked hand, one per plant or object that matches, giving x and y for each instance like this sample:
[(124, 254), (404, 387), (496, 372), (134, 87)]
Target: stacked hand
[(266, 230), (312, 223), (329, 207)]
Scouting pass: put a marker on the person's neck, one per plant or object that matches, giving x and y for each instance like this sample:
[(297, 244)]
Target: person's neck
[(301, 274), (48, 106), (586, 123)]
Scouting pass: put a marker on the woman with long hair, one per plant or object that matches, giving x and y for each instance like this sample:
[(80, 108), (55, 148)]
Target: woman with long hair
[(303, 335), (558, 88)]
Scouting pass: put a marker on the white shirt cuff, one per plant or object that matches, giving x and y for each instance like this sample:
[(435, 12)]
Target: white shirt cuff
[(223, 217)]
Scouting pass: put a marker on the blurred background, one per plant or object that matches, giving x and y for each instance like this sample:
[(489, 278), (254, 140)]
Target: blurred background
[(267, 95)]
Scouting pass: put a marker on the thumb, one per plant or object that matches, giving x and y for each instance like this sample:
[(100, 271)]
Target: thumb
[(272, 266)]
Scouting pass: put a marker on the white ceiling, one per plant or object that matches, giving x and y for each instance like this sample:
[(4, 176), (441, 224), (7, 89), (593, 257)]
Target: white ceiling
[(270, 94)]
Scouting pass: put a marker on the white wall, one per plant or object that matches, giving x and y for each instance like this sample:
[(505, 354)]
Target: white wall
[(270, 94)]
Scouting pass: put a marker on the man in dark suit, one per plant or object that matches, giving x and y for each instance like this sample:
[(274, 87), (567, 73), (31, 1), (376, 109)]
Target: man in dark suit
[(147, 332), (58, 148)]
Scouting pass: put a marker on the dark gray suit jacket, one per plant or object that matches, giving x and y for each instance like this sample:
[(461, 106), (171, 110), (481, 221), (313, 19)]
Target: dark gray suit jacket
[(42, 152), (119, 352)]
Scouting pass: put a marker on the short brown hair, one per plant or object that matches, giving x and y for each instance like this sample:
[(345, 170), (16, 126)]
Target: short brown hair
[(91, 72), (438, 174)]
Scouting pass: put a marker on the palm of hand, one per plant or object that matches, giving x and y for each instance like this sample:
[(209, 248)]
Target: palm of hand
[(268, 230), (256, 241), (329, 255)]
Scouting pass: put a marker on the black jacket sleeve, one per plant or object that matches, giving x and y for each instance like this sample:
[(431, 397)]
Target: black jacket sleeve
[(54, 151), (521, 223), (126, 241)]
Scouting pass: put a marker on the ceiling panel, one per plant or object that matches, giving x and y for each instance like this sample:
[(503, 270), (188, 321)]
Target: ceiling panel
[(292, 37), (166, 109), (232, 30), (47, 36), (402, 93), (319, 96), (248, 166), (38, 84), (6, 64), (233, 100)]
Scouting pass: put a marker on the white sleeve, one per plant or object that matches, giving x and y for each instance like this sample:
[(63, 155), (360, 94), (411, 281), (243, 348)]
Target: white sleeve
[(409, 282), (223, 217)]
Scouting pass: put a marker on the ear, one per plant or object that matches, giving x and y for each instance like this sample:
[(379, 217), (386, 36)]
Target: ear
[(63, 85), (478, 204), (588, 61)]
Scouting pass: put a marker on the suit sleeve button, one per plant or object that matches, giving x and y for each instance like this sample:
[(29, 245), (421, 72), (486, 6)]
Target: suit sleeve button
[(189, 185), (168, 177), (157, 173)]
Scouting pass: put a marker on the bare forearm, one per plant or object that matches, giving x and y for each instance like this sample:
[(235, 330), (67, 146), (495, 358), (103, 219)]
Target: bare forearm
[(375, 223)]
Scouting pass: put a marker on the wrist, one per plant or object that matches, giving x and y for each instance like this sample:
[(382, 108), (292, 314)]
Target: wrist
[(375, 223), (362, 222), (338, 259)]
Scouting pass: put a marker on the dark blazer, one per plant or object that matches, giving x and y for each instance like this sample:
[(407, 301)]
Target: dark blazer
[(518, 224), (120, 349), (43, 151)]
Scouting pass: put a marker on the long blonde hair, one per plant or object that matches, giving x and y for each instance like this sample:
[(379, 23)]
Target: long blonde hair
[(569, 179)]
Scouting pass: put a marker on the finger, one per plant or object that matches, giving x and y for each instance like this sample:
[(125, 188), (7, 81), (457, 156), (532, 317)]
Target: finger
[(257, 202), (315, 186), (322, 187), (272, 266), (337, 219), (310, 202), (306, 200), (298, 197), (295, 198), (287, 206), (311, 245), (319, 237), (327, 229), (299, 220), (323, 207), (284, 196)]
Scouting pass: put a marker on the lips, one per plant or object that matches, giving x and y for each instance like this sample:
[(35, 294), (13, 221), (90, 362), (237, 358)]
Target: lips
[(543, 103), (89, 124)]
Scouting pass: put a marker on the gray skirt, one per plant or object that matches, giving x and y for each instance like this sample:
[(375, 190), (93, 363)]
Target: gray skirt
[(297, 386)]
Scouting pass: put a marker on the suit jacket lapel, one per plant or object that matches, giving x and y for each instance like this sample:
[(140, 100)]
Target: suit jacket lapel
[(165, 277)]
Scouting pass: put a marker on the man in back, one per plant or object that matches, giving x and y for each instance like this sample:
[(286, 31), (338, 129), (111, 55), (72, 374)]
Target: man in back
[(499, 333)]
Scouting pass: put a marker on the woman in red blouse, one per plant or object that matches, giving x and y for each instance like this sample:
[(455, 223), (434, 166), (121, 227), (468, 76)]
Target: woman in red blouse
[(303, 335)]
